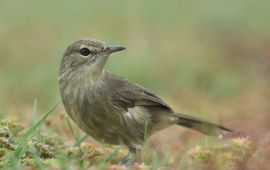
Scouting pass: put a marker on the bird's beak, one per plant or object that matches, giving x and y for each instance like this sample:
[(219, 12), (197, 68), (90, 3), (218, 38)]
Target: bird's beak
[(112, 49)]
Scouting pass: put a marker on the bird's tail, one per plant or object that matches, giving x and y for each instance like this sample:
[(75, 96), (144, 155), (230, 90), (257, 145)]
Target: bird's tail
[(202, 126)]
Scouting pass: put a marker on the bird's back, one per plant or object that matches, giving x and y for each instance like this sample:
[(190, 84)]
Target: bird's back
[(129, 94)]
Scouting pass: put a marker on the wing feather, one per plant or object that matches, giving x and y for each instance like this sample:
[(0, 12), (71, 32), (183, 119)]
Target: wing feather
[(129, 94)]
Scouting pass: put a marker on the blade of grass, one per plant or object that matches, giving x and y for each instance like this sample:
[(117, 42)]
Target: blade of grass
[(73, 133), (34, 114), (37, 159), (145, 142), (76, 135), (156, 161), (14, 159), (35, 126), (78, 142), (64, 162), (108, 158), (34, 109)]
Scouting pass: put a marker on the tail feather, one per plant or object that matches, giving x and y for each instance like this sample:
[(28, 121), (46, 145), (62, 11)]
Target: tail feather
[(202, 126)]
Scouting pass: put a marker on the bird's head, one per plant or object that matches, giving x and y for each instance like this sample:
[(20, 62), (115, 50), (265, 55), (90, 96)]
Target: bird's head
[(87, 55)]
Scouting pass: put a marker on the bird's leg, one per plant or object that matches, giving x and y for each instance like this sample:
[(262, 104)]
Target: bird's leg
[(131, 157)]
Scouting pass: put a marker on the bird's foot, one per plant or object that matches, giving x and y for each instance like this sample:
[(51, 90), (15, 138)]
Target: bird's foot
[(127, 161)]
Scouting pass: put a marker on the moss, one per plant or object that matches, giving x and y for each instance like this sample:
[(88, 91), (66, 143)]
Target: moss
[(230, 154), (200, 153), (50, 151), (5, 143), (13, 126), (87, 151)]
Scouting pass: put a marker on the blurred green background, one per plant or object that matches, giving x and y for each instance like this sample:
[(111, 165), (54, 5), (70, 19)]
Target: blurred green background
[(204, 57)]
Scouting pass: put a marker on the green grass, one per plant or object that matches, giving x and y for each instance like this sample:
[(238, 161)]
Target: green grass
[(32, 149)]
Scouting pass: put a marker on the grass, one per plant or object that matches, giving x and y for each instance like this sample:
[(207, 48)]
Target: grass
[(32, 149)]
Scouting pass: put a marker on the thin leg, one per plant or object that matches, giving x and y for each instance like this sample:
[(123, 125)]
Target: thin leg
[(130, 158)]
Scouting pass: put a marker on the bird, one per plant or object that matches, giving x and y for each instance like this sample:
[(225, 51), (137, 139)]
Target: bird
[(112, 109)]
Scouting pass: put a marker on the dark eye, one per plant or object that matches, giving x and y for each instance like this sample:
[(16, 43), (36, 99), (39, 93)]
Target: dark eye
[(85, 51)]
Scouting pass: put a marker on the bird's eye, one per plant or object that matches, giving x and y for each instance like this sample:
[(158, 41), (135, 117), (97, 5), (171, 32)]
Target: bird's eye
[(85, 51)]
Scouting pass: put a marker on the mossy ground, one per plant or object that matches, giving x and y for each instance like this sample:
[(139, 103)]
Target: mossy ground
[(28, 148)]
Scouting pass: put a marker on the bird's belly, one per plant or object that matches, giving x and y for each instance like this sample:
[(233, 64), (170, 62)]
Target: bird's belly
[(110, 129), (94, 116), (96, 126), (107, 127), (104, 121)]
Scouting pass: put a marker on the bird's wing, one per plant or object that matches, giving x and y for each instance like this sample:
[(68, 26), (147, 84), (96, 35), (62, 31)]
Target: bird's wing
[(129, 94)]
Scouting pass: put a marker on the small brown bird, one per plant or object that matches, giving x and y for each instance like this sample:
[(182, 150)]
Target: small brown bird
[(112, 109)]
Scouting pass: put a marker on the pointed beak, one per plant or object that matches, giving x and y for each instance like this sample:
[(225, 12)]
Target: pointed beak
[(112, 49)]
